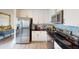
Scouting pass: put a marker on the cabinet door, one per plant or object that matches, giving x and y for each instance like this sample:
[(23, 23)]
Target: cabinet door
[(42, 35), (35, 35), (39, 35), (56, 46)]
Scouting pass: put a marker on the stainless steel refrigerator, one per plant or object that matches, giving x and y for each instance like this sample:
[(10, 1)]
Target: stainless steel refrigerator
[(23, 31)]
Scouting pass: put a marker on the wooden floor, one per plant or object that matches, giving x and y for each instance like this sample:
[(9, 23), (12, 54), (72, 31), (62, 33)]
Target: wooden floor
[(10, 43), (32, 45)]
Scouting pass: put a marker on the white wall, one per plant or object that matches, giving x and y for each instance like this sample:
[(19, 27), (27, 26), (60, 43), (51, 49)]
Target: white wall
[(38, 15), (11, 12), (71, 17)]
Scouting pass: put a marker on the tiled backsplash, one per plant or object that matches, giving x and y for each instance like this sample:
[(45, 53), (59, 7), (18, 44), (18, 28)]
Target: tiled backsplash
[(40, 26)]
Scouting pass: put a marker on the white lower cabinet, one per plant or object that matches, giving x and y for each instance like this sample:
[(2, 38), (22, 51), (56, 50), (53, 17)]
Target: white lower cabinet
[(39, 36), (56, 46)]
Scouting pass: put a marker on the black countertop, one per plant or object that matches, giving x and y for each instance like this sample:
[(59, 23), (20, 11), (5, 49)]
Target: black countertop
[(64, 41)]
